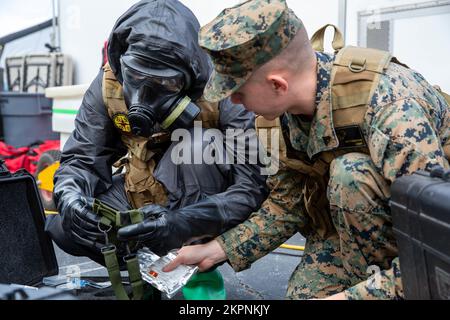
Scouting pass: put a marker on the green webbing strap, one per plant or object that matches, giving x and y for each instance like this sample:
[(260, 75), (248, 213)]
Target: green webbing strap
[(136, 217), (134, 274), (108, 214), (111, 217), (112, 265)]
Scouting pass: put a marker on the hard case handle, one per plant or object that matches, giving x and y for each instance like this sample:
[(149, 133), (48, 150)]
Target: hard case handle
[(441, 173)]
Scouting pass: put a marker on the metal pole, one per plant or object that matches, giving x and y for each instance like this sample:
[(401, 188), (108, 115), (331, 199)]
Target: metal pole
[(53, 40), (343, 18), (58, 26), (56, 38)]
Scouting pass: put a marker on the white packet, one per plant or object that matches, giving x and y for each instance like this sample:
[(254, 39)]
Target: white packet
[(169, 283)]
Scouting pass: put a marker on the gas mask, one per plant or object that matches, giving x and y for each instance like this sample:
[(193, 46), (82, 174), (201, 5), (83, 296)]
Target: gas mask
[(155, 96)]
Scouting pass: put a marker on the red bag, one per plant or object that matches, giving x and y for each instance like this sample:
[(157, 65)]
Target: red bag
[(26, 157)]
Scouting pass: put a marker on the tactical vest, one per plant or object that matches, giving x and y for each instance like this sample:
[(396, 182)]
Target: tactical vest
[(355, 76), (140, 163)]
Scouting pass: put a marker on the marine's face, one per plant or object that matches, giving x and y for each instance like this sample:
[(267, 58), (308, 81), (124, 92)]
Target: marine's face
[(261, 97)]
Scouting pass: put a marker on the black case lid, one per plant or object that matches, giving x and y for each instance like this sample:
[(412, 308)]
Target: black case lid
[(26, 251)]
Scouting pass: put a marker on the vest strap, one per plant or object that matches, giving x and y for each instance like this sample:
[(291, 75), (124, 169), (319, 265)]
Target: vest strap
[(318, 39), (355, 76)]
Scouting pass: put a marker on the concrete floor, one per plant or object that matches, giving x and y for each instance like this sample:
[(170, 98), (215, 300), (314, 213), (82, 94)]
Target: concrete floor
[(266, 280)]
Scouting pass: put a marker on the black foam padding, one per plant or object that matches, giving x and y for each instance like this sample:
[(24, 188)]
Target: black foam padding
[(23, 247)]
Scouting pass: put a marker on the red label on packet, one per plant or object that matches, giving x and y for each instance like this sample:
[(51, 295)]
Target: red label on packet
[(154, 274)]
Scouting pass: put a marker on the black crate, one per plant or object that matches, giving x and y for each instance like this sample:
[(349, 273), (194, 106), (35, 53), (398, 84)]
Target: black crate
[(421, 216)]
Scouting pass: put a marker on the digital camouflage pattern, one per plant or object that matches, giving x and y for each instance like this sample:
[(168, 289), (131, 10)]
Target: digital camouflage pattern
[(406, 125), (386, 284), (242, 38)]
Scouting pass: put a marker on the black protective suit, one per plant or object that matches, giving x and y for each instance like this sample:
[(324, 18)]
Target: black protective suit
[(210, 198)]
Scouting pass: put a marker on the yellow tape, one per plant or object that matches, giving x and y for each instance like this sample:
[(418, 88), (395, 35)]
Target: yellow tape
[(176, 113)]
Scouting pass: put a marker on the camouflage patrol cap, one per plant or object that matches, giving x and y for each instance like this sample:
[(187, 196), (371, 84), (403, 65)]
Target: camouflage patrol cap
[(243, 38)]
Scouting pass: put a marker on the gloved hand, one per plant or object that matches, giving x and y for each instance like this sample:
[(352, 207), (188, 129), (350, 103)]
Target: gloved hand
[(80, 221), (161, 230)]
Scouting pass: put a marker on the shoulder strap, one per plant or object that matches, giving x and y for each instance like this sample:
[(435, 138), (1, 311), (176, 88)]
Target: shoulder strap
[(267, 130), (210, 113), (354, 78), (263, 124), (445, 95), (318, 39), (112, 92)]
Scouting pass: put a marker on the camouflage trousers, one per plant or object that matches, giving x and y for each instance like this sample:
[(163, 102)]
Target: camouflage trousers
[(364, 240)]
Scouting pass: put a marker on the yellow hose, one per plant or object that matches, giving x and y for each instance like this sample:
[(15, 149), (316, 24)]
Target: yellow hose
[(291, 247)]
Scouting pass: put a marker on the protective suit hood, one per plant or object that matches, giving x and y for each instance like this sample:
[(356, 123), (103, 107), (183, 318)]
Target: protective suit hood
[(164, 30)]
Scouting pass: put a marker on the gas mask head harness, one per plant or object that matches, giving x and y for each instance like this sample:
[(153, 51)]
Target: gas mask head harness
[(155, 94)]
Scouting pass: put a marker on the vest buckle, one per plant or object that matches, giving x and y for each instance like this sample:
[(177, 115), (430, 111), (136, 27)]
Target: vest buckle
[(357, 65)]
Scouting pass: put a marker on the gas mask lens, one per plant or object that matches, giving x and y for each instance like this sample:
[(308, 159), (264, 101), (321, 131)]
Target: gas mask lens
[(131, 78), (154, 95), (137, 80)]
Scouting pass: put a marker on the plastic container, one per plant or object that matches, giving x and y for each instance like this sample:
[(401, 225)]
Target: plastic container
[(14, 73), (66, 103), (205, 286), (27, 118), (36, 72)]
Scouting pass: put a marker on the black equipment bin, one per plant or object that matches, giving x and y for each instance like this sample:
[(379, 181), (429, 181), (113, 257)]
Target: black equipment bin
[(421, 217)]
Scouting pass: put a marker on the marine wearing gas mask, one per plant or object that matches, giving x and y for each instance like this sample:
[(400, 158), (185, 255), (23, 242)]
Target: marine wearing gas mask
[(152, 86)]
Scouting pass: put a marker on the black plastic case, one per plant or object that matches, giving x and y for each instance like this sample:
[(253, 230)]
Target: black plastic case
[(421, 216), (26, 251)]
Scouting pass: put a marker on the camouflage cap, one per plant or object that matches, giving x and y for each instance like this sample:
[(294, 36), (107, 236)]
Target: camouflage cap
[(243, 38)]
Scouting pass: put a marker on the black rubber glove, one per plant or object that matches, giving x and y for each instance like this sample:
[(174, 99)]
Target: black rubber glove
[(160, 231), (80, 221)]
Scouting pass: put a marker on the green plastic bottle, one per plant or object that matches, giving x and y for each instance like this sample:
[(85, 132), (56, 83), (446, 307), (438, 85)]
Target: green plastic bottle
[(205, 286)]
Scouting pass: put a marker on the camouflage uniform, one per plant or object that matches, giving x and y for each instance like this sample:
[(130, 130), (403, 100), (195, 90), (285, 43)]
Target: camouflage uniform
[(406, 126)]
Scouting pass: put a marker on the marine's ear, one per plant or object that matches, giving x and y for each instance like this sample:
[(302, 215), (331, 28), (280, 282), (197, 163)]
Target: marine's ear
[(278, 84)]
